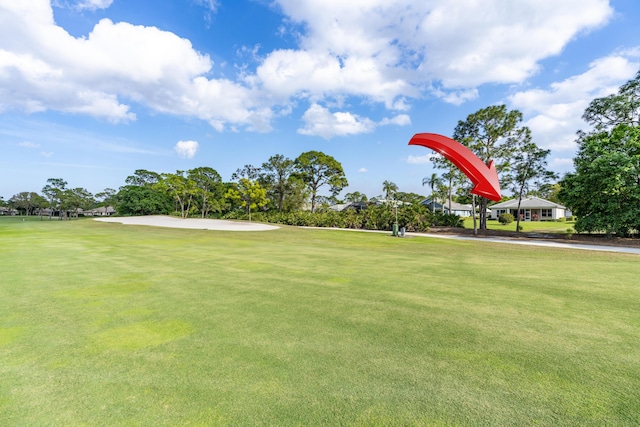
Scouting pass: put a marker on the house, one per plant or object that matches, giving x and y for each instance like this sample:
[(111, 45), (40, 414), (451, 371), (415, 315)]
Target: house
[(101, 211), (456, 208), (8, 211), (342, 207), (531, 209)]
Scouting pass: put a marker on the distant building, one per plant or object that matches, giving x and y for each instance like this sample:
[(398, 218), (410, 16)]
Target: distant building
[(456, 208), (101, 211)]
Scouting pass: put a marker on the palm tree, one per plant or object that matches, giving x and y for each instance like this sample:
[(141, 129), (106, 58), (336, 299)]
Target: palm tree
[(389, 189), (432, 182)]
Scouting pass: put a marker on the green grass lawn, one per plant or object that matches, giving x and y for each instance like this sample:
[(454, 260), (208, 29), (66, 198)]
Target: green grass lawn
[(527, 226), (105, 324)]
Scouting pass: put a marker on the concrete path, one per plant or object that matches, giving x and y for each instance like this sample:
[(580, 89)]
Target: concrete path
[(507, 240), (530, 242)]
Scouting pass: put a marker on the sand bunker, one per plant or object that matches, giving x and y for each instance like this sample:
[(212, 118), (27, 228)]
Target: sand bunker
[(193, 223)]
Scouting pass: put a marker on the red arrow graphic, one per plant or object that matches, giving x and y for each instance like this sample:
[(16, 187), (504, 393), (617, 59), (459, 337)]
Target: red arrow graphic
[(484, 177)]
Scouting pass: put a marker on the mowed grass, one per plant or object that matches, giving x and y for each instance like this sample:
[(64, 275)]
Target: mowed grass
[(105, 324), (527, 226)]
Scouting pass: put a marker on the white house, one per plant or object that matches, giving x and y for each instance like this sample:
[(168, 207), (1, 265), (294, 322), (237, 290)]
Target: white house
[(531, 209)]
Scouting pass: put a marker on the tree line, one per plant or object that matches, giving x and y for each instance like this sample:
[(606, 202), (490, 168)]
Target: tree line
[(603, 192), (280, 183), (281, 190)]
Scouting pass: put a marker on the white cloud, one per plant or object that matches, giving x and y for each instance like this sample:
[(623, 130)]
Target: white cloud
[(420, 160), (363, 170), (186, 149), (387, 52), (399, 120), (28, 144), (319, 121), (457, 97), (46, 154), (561, 163), (42, 67), (93, 4), (211, 5), (320, 74), (554, 114)]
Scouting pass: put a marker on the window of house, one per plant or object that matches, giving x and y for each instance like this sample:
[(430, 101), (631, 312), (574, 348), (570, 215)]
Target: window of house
[(546, 213)]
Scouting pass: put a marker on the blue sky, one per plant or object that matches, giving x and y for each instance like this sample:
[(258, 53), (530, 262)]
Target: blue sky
[(91, 90)]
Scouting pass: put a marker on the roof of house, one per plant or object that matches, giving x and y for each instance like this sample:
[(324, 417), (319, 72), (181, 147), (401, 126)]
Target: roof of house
[(454, 205), (339, 207), (527, 203)]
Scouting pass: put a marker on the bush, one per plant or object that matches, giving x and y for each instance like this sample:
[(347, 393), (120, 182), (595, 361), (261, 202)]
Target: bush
[(446, 220), (505, 218), (415, 218)]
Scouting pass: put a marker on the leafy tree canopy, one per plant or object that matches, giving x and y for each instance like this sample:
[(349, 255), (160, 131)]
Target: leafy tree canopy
[(317, 169), (492, 134), (277, 177), (620, 108), (604, 191), (143, 200), (143, 177)]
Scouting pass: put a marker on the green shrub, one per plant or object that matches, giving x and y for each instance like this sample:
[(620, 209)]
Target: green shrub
[(505, 218), (414, 218), (446, 220)]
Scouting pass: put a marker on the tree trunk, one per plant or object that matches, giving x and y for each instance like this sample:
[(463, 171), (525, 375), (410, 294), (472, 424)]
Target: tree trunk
[(483, 213), (450, 189), (473, 209)]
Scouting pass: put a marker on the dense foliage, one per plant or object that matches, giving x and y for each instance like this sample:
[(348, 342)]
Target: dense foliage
[(604, 190), (492, 133), (505, 218), (414, 218)]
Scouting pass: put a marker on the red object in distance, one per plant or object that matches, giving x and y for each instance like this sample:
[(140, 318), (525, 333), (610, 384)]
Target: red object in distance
[(484, 177)]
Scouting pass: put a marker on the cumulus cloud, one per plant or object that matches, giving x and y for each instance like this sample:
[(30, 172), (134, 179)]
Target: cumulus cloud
[(186, 149), (554, 114), (457, 97), (387, 52), (319, 121), (399, 120), (363, 170), (42, 67), (468, 43), (93, 4)]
